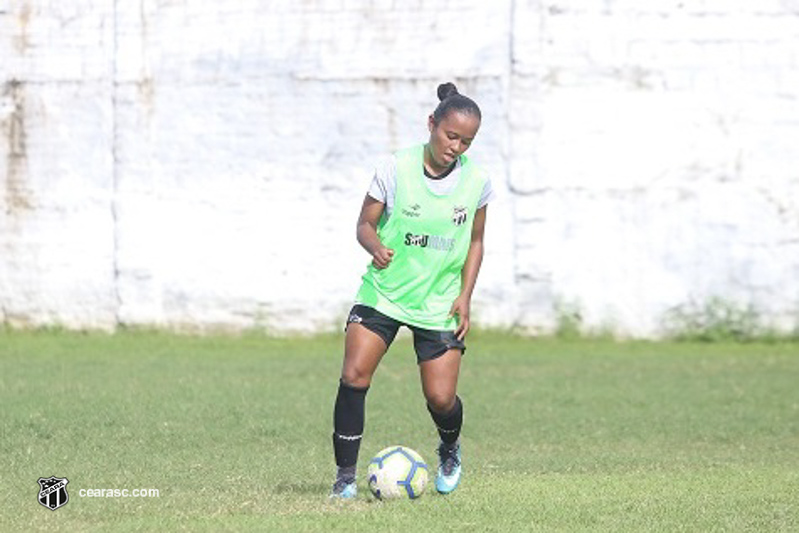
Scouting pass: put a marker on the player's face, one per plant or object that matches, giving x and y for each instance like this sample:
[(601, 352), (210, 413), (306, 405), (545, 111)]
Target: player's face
[(450, 138)]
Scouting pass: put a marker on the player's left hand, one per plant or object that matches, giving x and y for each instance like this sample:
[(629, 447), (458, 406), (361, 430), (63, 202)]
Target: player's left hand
[(460, 310)]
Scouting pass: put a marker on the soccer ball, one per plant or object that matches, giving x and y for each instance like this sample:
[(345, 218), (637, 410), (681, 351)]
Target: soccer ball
[(397, 472)]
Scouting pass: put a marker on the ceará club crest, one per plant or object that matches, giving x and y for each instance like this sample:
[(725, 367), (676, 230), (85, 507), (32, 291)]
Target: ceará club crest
[(459, 215), (53, 492)]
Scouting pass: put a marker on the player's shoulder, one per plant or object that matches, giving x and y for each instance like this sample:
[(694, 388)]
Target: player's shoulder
[(482, 178), (475, 162), (386, 165), (480, 173)]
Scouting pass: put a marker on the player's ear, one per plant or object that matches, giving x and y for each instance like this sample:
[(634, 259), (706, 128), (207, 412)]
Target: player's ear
[(431, 123)]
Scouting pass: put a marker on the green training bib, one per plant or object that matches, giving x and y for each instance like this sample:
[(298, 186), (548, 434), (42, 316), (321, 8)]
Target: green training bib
[(430, 235)]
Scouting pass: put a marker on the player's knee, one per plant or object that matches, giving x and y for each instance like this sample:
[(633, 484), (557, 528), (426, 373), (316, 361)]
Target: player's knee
[(356, 377), (440, 401)]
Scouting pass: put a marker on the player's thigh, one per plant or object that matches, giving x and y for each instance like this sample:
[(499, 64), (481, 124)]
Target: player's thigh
[(363, 350), (440, 379)]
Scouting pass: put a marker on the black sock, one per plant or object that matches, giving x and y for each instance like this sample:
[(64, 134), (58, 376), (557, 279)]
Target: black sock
[(449, 424), (348, 419)]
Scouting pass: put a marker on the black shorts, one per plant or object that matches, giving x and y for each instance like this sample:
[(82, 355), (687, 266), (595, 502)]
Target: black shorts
[(428, 343)]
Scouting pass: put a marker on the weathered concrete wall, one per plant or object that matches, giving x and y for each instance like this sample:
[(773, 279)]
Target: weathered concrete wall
[(201, 164), (56, 164), (660, 134)]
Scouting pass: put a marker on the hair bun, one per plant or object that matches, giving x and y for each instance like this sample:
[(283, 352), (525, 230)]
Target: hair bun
[(445, 90)]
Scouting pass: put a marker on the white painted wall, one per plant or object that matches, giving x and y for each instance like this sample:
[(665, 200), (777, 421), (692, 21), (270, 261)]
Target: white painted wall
[(200, 164)]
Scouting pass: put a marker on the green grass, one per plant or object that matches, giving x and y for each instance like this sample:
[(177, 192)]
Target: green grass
[(559, 436)]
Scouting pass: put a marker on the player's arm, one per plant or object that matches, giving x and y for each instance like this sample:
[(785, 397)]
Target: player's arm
[(474, 258), (366, 232)]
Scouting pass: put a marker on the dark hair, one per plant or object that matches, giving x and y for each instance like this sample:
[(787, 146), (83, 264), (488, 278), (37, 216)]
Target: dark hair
[(451, 100)]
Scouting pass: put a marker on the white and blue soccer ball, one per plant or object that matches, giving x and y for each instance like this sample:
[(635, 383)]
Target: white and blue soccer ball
[(397, 472)]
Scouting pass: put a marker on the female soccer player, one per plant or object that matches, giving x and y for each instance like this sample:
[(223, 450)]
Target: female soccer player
[(422, 222)]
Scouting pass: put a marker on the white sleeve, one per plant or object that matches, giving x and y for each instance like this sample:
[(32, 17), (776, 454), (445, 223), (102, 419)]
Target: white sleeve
[(487, 195), (377, 189), (384, 182)]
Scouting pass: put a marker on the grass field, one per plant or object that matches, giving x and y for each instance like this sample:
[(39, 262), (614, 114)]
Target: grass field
[(234, 432)]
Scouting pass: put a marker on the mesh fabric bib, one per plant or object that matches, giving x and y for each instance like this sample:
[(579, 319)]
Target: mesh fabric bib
[(430, 235)]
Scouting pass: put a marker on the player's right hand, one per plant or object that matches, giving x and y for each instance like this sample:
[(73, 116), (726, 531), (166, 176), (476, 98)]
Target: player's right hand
[(381, 258)]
